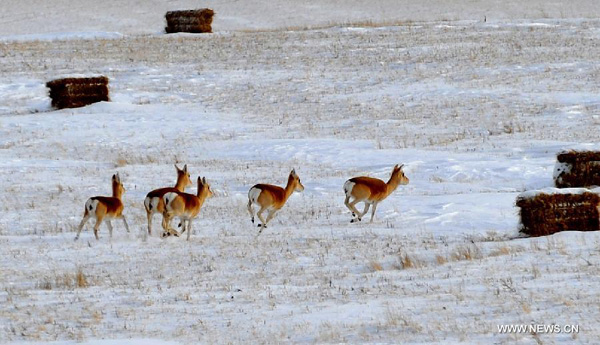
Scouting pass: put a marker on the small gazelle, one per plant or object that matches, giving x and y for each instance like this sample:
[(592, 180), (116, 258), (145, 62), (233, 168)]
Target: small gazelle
[(185, 206), (105, 208), (371, 191), (271, 198), (154, 200)]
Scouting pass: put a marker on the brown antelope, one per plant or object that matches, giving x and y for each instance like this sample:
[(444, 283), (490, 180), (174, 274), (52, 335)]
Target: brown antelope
[(105, 208), (371, 191), (154, 200), (272, 198), (185, 206)]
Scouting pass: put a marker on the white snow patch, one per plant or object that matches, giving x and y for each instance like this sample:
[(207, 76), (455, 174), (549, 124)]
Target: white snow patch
[(62, 36)]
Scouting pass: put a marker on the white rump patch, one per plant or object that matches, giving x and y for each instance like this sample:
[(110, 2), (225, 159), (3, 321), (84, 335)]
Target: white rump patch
[(91, 206), (253, 194), (168, 199), (348, 186), (151, 202)]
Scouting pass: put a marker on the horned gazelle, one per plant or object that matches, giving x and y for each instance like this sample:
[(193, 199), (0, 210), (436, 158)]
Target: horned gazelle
[(371, 191), (105, 208), (272, 198), (154, 200), (185, 206)]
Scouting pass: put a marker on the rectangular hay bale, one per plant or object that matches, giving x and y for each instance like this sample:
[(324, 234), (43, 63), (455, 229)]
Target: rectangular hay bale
[(193, 21), (78, 92), (577, 169), (553, 210)]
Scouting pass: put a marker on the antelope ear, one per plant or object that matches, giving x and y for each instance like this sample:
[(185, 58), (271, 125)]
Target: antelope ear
[(114, 177), (176, 167), (185, 168), (293, 172), (400, 167), (204, 180)]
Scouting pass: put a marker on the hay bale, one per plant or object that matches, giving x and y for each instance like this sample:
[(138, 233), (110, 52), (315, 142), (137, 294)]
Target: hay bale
[(553, 210), (78, 92), (577, 169), (194, 21)]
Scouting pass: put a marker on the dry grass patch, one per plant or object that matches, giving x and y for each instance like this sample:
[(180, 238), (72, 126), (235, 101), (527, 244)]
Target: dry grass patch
[(329, 333), (394, 318), (406, 261), (81, 279), (504, 250), (466, 252), (64, 281), (375, 266), (121, 162), (535, 271)]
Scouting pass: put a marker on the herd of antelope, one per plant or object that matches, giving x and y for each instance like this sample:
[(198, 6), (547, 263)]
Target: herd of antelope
[(174, 202)]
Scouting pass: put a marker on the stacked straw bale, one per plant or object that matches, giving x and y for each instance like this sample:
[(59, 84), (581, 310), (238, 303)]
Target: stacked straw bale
[(553, 210), (194, 21), (577, 169), (78, 92)]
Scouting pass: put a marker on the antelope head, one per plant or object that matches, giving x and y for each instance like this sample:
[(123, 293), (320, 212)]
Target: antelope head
[(298, 187), (398, 175), (204, 188), (183, 177), (117, 186)]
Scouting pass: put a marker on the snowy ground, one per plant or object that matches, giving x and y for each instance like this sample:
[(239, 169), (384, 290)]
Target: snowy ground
[(35, 17), (476, 111)]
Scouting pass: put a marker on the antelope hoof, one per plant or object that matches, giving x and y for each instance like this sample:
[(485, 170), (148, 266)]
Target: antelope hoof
[(169, 233), (252, 219)]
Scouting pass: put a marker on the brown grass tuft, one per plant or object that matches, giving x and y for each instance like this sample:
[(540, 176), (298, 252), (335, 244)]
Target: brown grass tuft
[(441, 259), (406, 261), (121, 162), (81, 279), (466, 252), (375, 266)]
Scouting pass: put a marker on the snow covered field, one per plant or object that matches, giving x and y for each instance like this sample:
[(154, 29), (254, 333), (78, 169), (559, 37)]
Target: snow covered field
[(34, 17), (477, 112)]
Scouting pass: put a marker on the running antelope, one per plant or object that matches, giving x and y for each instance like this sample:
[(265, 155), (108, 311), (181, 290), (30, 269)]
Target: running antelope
[(105, 207), (154, 200), (272, 198), (185, 206), (371, 191)]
